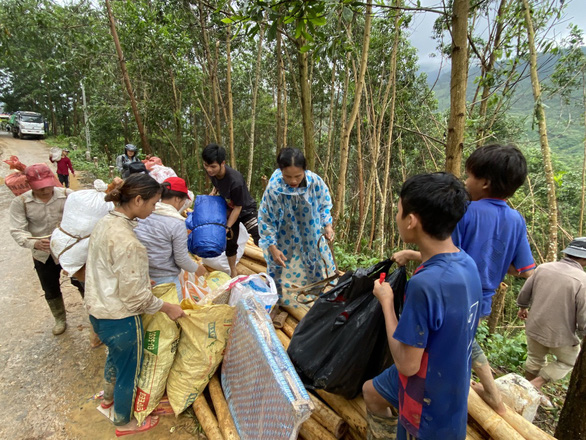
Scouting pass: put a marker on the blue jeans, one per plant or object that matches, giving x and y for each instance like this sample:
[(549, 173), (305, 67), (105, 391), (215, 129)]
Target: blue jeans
[(123, 337)]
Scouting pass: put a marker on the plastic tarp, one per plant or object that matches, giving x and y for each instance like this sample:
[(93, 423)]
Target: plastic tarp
[(208, 226), (265, 395)]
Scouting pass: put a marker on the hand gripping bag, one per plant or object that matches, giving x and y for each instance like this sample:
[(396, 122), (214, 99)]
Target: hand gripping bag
[(208, 226), (342, 342), (160, 341)]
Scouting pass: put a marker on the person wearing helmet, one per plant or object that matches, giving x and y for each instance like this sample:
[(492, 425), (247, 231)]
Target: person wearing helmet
[(125, 159)]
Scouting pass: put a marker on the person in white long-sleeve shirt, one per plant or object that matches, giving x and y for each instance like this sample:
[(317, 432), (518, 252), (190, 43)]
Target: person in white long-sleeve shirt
[(118, 291), (164, 235)]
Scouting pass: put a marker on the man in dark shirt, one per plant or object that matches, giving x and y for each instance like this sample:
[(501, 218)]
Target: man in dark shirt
[(230, 184)]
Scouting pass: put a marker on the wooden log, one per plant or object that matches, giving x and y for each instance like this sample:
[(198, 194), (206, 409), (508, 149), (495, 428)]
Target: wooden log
[(491, 422), (288, 328), (328, 418), (206, 418), (225, 420), (243, 270), (312, 430), (283, 338), (297, 312), (253, 265), (347, 411), (473, 434), (360, 406), (292, 321), (254, 254), (524, 427)]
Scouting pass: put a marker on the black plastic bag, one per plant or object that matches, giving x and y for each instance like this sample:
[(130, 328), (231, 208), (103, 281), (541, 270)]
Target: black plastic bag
[(341, 342)]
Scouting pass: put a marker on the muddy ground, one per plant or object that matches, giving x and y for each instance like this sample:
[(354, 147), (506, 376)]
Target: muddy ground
[(47, 382)]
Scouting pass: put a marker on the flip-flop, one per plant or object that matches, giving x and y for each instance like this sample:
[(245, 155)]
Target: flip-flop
[(106, 405), (149, 423)]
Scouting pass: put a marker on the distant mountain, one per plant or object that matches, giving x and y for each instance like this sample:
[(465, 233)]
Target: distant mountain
[(564, 122)]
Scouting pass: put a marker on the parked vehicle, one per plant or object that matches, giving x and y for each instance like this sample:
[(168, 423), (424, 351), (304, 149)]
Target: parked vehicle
[(4, 121), (27, 124)]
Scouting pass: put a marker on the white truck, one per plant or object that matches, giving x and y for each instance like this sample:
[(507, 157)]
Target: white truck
[(27, 124)]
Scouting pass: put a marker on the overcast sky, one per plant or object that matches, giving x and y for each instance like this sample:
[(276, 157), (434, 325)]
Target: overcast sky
[(422, 25)]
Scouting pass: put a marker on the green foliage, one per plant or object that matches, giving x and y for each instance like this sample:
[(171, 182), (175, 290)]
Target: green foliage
[(507, 350), (347, 260)]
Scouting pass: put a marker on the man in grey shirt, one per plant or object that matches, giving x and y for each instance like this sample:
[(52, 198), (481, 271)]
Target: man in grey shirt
[(556, 294)]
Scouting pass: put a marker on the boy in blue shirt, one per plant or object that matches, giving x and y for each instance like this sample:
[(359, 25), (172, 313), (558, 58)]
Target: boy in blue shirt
[(494, 235), (431, 343)]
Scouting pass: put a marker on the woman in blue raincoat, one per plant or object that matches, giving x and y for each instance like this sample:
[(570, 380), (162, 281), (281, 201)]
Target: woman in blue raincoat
[(293, 215)]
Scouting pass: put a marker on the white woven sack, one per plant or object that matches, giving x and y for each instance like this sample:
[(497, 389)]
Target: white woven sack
[(161, 173)]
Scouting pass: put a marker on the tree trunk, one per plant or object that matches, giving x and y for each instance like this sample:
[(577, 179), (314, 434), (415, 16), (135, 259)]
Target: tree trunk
[(331, 126), (392, 78), (540, 116), (345, 144), (491, 62), (498, 305), (145, 143), (253, 110), (582, 195), (458, 84), (280, 91), (229, 93), (572, 423), (306, 110)]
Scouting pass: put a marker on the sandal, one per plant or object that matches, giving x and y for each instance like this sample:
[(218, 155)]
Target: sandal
[(149, 423), (106, 405)]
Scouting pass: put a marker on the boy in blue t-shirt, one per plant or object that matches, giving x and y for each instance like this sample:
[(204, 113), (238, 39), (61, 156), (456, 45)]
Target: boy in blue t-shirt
[(431, 343), (494, 235)]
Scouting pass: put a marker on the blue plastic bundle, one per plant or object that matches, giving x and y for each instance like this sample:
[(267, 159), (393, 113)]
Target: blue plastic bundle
[(208, 226)]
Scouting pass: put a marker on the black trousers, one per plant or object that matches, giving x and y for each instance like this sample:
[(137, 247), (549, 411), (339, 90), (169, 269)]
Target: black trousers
[(250, 222), (49, 274), (64, 179)]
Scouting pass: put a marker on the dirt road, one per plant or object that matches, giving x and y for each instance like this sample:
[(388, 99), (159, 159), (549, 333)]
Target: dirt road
[(47, 382)]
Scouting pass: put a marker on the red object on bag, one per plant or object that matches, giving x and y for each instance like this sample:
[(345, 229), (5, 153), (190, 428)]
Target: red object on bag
[(17, 183), (382, 277), (15, 163)]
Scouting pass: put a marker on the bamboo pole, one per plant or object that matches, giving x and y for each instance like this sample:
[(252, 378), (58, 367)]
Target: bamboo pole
[(347, 411), (312, 430), (288, 328), (473, 434), (524, 427), (243, 270), (297, 312), (359, 404), (491, 422), (283, 338), (206, 418), (225, 420), (254, 254), (328, 418), (252, 265)]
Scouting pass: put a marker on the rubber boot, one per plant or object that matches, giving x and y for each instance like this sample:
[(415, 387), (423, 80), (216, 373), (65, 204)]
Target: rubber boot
[(381, 428), (57, 307)]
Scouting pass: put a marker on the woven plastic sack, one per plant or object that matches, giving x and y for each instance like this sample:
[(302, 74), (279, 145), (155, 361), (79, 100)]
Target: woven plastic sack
[(221, 262), (266, 397), (15, 163), (207, 223), (204, 335), (17, 183), (82, 210), (161, 337)]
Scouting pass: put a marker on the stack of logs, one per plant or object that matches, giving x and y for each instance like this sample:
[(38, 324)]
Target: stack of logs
[(334, 416)]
